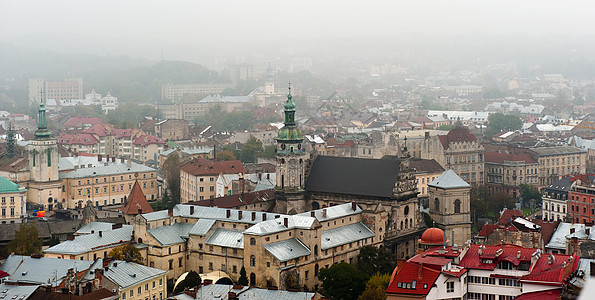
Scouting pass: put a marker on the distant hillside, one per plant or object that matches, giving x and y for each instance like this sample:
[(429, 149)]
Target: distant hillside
[(130, 79)]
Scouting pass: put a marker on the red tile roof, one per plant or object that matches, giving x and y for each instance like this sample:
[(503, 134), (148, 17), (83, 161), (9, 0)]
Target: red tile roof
[(547, 229), (136, 200), (472, 259), (509, 215), (423, 276), (426, 166), (434, 262), (144, 140), (80, 121), (101, 130), (552, 272), (237, 199), (541, 295), (500, 158), (205, 167), (78, 139), (455, 272), (458, 134), (488, 229)]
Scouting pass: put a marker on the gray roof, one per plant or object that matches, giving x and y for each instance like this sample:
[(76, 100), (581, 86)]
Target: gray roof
[(582, 143), (354, 176), (127, 274), (557, 150), (449, 180), (226, 238), (344, 235), (558, 240), (220, 291), (287, 249), (171, 234), (25, 269), (94, 226), (115, 168), (278, 225), (15, 291), (213, 213), (333, 212), (87, 242), (201, 227)]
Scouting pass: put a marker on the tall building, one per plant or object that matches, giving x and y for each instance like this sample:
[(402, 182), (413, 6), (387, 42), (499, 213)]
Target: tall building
[(44, 184), (13, 204), (450, 206), (40, 90), (178, 91)]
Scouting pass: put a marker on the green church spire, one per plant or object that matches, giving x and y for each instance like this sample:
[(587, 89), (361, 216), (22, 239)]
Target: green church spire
[(42, 128), (290, 133)]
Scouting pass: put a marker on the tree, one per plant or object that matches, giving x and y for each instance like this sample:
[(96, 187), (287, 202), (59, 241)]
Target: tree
[(250, 150), (54, 240), (243, 277), (499, 201), (499, 122), (127, 253), (171, 168), (225, 155), (342, 281), (26, 240), (530, 194), (376, 287), (371, 260), (192, 280), (269, 151)]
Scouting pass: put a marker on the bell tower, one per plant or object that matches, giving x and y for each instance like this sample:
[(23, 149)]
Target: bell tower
[(292, 161), (44, 185)]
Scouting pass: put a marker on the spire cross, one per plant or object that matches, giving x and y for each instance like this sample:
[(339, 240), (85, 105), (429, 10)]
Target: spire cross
[(289, 84)]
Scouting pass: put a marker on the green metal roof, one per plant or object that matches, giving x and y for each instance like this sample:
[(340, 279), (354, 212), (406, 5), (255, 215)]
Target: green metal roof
[(7, 186)]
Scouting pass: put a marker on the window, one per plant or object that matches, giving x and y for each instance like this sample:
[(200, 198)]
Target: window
[(139, 290), (252, 261), (436, 204), (252, 241), (457, 206), (450, 287)]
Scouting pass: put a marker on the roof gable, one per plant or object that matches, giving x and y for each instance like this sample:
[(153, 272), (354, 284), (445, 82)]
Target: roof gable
[(136, 202), (449, 180)]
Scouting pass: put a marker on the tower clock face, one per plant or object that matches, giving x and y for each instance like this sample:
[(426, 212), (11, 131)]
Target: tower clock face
[(282, 146)]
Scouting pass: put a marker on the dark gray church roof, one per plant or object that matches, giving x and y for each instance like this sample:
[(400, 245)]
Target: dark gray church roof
[(354, 176)]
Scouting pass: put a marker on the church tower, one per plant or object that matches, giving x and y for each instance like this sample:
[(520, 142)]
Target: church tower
[(44, 184), (450, 206), (292, 162)]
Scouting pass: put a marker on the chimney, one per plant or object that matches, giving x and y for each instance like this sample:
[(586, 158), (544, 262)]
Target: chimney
[(191, 210), (100, 233), (228, 213), (518, 254), (571, 230), (70, 237), (587, 230), (36, 255), (264, 216), (480, 250), (207, 282), (353, 206), (121, 160), (115, 264), (324, 212), (99, 157), (107, 158), (313, 214), (239, 215), (253, 215), (551, 259), (140, 211), (170, 212), (286, 222)]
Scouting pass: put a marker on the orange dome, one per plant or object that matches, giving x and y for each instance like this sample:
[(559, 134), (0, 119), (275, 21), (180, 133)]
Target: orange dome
[(432, 236)]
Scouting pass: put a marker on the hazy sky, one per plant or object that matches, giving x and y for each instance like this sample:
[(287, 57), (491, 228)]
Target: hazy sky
[(200, 22)]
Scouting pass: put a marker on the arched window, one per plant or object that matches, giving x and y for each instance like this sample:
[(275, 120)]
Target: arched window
[(252, 241), (406, 210), (401, 225), (316, 270), (411, 223), (457, 206), (253, 261), (436, 204), (406, 223), (315, 250), (315, 205)]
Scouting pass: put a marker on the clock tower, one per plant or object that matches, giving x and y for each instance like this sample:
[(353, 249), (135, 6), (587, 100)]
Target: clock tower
[(292, 161)]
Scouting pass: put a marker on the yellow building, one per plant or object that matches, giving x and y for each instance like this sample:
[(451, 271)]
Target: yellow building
[(94, 244), (103, 182), (198, 177), (557, 161), (425, 171), (133, 281), (13, 203)]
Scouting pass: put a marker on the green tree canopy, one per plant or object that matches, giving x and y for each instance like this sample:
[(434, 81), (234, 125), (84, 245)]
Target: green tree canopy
[(192, 280), (376, 287), (225, 155), (342, 281), (26, 240), (127, 252), (250, 150), (171, 168), (243, 280), (372, 260), (530, 193), (499, 122)]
